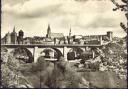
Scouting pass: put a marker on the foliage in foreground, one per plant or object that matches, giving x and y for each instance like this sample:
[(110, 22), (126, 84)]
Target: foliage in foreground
[(10, 74)]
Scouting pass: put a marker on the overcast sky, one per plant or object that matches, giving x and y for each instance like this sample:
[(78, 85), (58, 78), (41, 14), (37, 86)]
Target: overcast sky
[(84, 17)]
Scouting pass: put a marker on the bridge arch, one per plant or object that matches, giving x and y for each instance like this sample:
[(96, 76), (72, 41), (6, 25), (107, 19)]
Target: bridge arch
[(58, 52), (74, 53), (51, 53), (23, 54)]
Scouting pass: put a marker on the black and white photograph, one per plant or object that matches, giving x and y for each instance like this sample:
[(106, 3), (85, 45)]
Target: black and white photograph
[(64, 43)]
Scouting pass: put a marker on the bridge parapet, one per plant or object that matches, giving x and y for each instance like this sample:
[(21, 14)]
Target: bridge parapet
[(48, 45)]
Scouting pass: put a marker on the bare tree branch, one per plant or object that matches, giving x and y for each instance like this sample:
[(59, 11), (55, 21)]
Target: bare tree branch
[(124, 8)]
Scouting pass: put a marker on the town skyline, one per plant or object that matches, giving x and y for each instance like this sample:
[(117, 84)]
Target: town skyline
[(52, 30), (33, 17)]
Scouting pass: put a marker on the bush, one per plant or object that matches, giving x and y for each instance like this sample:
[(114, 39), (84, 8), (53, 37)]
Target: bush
[(64, 76)]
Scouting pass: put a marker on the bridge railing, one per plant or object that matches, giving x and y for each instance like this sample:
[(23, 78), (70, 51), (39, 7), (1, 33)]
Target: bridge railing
[(68, 45)]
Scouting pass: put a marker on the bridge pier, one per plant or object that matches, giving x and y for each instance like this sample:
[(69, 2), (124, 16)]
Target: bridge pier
[(35, 53), (65, 53), (101, 41), (93, 54)]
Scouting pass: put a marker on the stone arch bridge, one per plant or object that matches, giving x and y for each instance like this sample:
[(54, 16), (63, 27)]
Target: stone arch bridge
[(37, 49)]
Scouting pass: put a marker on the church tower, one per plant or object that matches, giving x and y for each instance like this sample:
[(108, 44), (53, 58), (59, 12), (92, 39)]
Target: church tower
[(13, 37), (48, 32), (69, 37), (70, 32)]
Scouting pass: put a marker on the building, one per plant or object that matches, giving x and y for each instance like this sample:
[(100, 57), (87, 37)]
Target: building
[(56, 38), (48, 35), (12, 38), (70, 38), (98, 39), (77, 39), (8, 38), (38, 40), (110, 35), (28, 40), (53, 35), (20, 37), (70, 33)]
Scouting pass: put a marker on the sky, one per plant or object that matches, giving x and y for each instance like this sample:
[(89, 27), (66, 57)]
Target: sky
[(83, 17)]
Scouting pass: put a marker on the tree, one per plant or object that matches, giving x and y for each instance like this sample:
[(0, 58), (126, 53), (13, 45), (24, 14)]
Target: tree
[(10, 75), (64, 76), (123, 7), (8, 70)]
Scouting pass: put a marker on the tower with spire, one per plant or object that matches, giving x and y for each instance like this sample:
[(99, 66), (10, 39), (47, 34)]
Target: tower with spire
[(48, 35), (14, 29), (69, 37), (70, 32), (13, 36)]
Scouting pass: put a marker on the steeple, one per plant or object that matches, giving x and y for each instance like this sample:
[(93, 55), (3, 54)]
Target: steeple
[(14, 29), (13, 36), (48, 31), (70, 32)]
